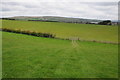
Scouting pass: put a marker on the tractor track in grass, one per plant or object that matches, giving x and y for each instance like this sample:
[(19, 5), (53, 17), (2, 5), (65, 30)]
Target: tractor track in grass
[(74, 44)]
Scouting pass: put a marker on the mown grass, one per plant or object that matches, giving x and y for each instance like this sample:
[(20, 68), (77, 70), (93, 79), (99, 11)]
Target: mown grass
[(67, 30), (35, 57)]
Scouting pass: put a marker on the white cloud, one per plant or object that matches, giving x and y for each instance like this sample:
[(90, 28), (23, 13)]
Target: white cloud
[(61, 0), (68, 8)]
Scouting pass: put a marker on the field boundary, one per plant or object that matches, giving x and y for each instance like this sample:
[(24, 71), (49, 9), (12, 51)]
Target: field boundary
[(49, 35)]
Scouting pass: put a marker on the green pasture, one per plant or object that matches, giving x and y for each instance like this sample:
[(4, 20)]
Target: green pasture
[(68, 30), (37, 57)]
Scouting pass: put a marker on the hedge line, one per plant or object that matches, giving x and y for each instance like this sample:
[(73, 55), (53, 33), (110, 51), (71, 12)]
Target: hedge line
[(38, 34)]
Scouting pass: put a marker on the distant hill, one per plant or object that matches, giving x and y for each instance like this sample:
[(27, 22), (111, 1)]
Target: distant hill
[(115, 20), (56, 19)]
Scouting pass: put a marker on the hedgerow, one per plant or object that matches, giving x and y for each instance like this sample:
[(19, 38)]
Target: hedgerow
[(33, 33)]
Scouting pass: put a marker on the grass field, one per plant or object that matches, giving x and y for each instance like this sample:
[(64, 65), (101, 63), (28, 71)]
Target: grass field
[(35, 57), (27, 56), (68, 30)]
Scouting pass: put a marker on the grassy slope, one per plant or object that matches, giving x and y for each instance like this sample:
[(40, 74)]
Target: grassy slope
[(68, 30), (28, 56)]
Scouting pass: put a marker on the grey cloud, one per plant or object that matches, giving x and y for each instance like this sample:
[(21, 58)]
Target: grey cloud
[(101, 3), (6, 9), (107, 4)]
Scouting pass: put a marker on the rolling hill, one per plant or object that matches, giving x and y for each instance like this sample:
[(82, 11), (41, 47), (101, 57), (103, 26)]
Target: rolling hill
[(55, 18)]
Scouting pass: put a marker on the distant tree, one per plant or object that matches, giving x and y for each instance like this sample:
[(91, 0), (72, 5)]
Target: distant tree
[(8, 19), (107, 22)]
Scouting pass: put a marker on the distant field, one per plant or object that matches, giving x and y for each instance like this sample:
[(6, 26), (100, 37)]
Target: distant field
[(68, 30), (35, 57)]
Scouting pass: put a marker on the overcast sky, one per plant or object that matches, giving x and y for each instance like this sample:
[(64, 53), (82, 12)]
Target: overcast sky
[(94, 9)]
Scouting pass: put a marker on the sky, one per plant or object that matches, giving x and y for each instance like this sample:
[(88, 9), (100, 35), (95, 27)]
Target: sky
[(90, 9)]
